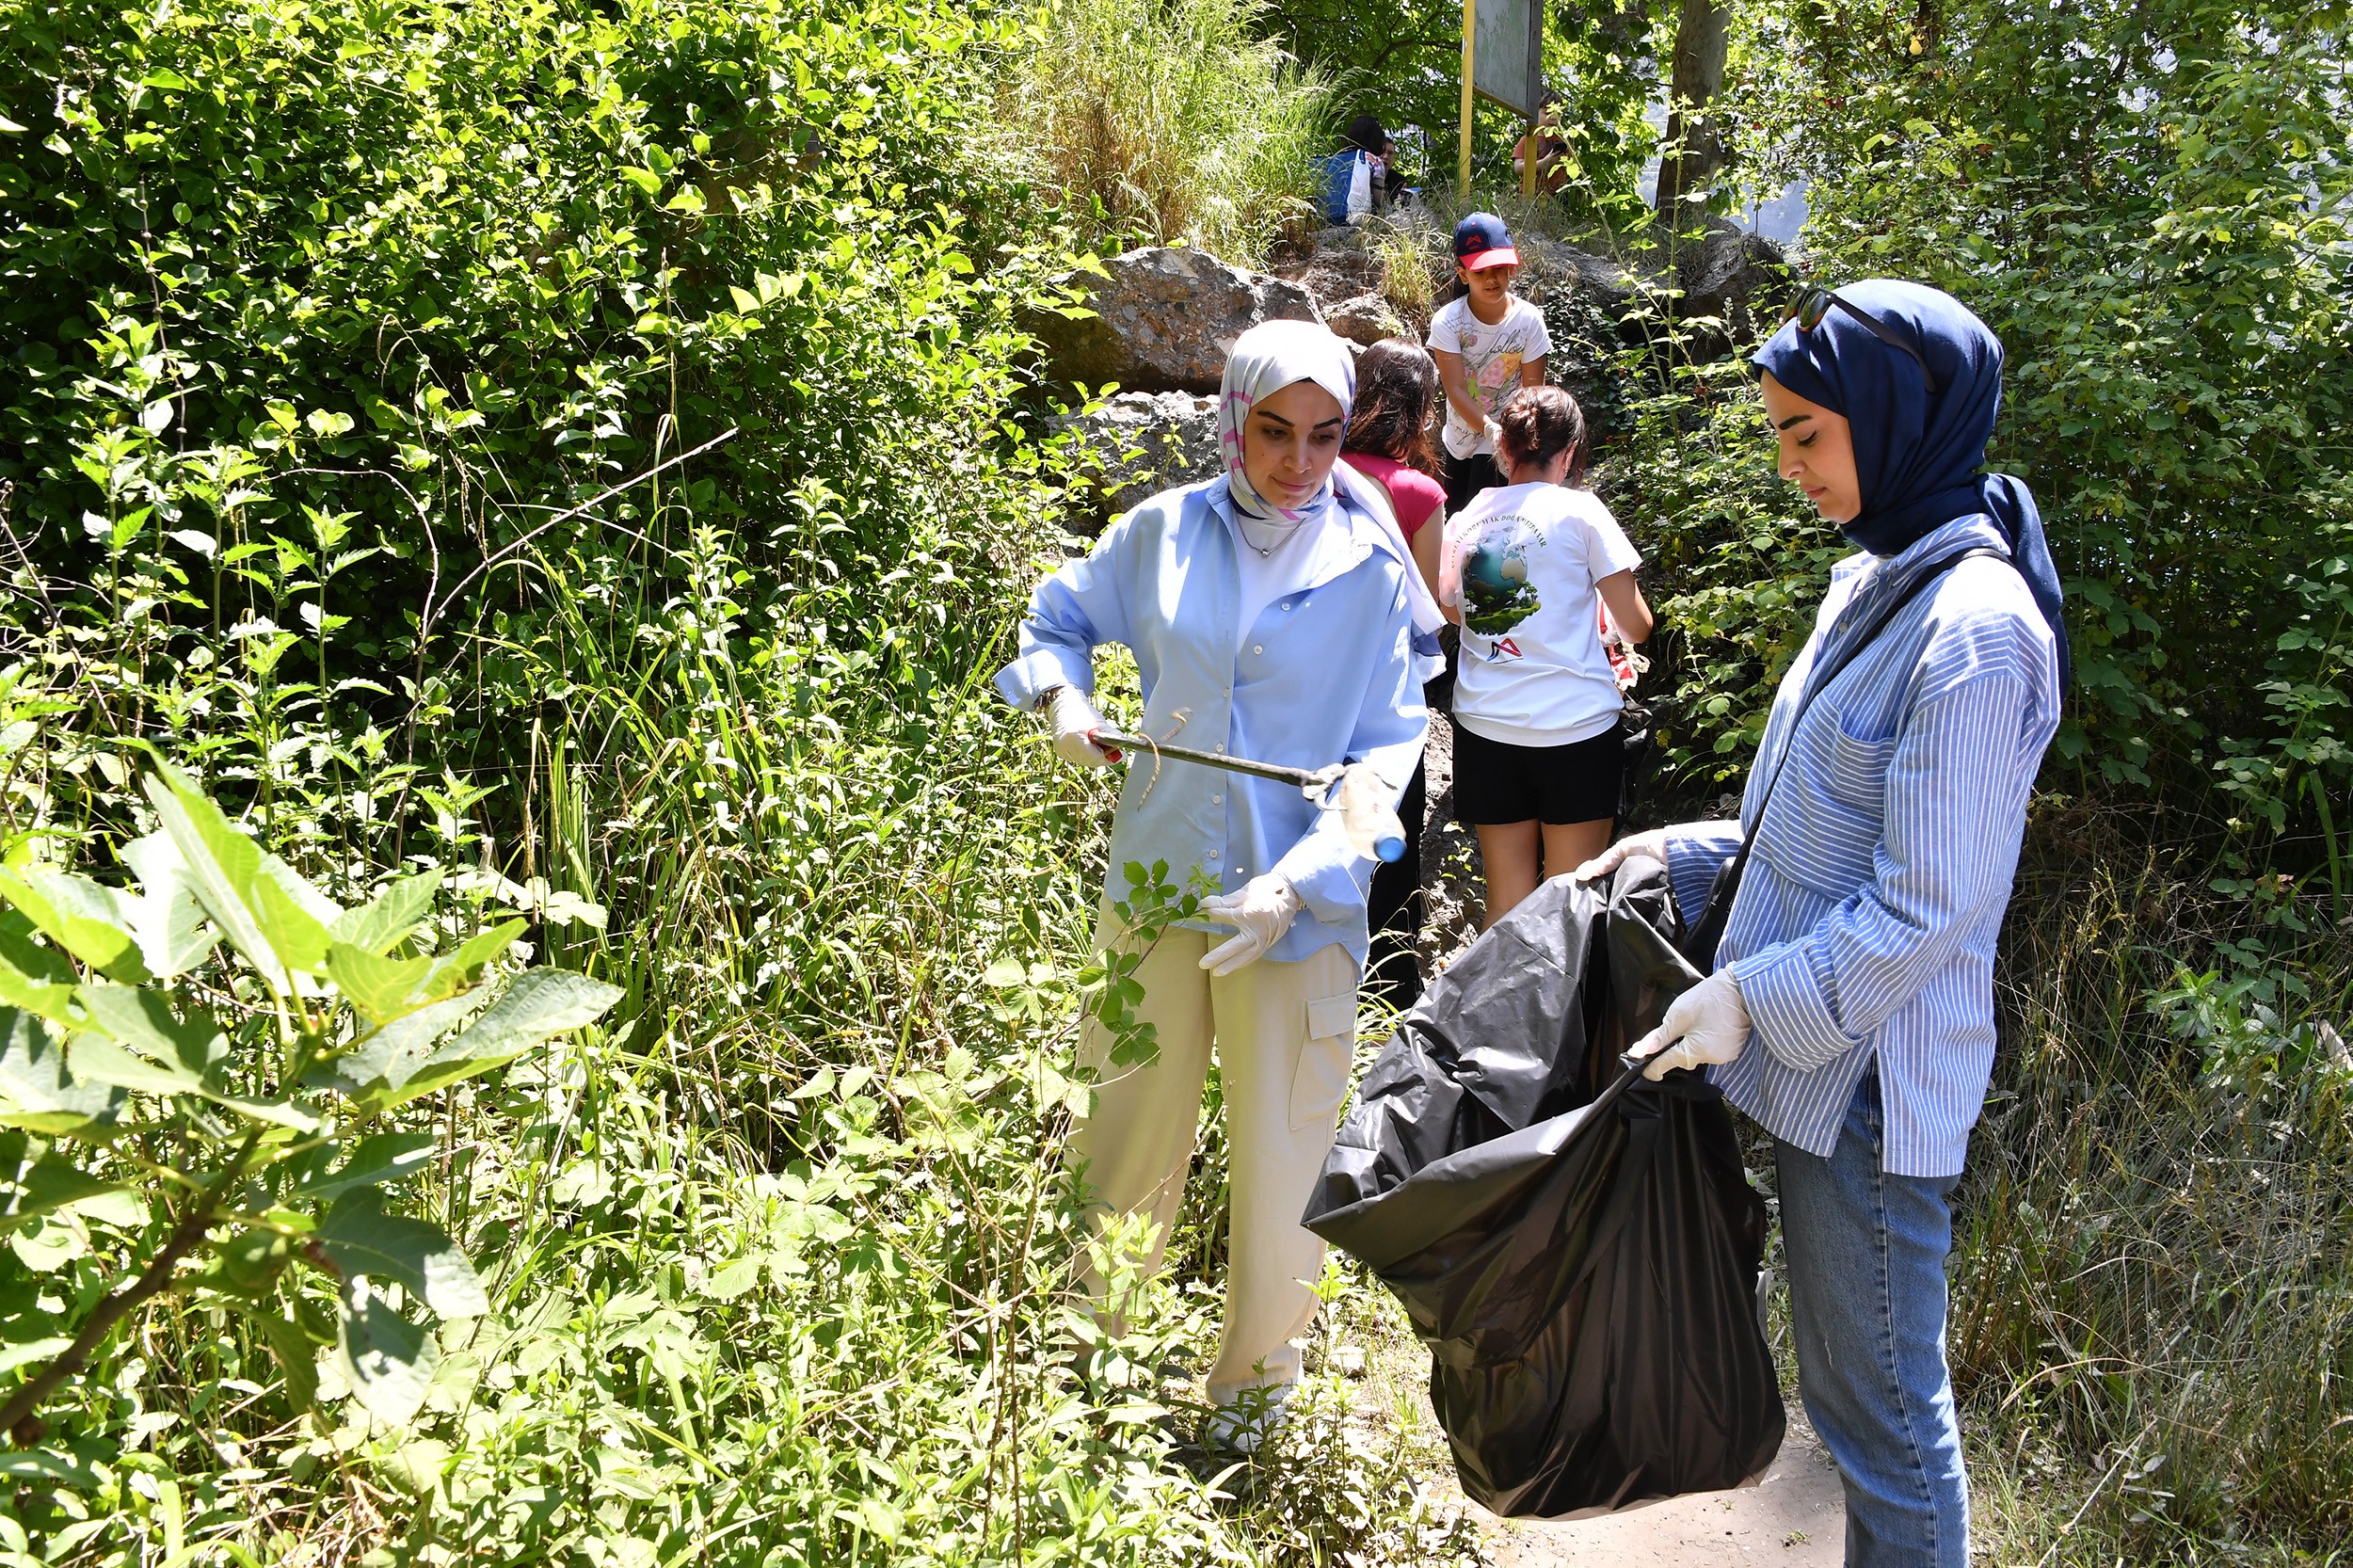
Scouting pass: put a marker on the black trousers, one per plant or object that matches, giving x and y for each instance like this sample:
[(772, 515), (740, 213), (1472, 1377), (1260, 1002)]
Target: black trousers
[(1467, 476), (1394, 907)]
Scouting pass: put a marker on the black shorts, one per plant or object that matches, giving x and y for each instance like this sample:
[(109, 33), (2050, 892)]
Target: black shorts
[(1496, 782)]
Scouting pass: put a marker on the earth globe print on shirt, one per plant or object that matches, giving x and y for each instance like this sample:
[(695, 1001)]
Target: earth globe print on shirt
[(1497, 593)]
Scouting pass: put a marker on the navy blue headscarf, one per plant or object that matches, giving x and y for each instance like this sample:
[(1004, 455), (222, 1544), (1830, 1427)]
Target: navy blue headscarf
[(1917, 454)]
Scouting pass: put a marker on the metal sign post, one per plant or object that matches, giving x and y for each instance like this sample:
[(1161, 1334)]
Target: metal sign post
[(1503, 61), (1470, 78)]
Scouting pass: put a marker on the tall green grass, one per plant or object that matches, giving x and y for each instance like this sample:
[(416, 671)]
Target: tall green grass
[(2152, 1323), (1171, 121)]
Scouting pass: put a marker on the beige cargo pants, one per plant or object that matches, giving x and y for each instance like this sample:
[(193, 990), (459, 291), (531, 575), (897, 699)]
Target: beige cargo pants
[(1285, 1035)]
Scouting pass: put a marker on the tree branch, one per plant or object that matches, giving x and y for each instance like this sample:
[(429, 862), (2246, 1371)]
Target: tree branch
[(17, 1417)]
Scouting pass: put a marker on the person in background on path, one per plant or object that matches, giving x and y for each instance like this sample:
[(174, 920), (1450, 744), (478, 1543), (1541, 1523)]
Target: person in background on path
[(1539, 750), (1393, 171), (1388, 442), (1851, 1010), (1275, 613), (1364, 143), (1366, 135), (1547, 146), (1488, 344)]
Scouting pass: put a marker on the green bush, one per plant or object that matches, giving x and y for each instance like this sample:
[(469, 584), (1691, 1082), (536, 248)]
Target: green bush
[(318, 314), (333, 488), (2149, 203)]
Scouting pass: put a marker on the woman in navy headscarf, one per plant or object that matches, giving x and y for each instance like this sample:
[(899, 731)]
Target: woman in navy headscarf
[(1851, 1006)]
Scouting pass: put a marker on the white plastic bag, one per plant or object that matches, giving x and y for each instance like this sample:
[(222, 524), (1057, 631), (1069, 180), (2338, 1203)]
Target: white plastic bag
[(1360, 186)]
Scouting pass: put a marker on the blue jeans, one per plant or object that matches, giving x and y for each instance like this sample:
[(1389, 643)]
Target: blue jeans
[(1866, 1300)]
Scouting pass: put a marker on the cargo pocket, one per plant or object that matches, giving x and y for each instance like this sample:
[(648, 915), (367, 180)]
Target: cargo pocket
[(1320, 1080)]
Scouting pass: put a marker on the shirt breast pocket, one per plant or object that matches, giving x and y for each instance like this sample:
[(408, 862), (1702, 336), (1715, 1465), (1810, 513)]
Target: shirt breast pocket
[(1854, 770), (1823, 827)]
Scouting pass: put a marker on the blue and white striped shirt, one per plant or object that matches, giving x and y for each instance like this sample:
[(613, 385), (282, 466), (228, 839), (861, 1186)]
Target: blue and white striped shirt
[(1866, 921)]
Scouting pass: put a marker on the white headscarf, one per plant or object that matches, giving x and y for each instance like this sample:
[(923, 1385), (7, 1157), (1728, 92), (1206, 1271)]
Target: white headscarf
[(1265, 359)]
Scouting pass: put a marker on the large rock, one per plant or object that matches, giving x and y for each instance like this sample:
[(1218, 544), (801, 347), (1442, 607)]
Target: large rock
[(1139, 443), (1731, 274), (1552, 266), (1164, 319), (1367, 319)]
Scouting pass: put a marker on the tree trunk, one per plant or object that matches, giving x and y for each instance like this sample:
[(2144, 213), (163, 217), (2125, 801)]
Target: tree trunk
[(1694, 149)]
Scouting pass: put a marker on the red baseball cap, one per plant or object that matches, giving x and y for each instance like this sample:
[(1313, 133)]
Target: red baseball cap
[(1481, 241)]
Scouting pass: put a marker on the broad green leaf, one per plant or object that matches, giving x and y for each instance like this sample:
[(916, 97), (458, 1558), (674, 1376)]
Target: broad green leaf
[(101, 1060), (734, 1279), (381, 988), (98, 1059), (386, 1059), (30, 1351), (95, 923), (44, 998), (378, 1157), (536, 1005), (293, 932), (34, 1180), (539, 1004), (252, 1260), (361, 1239), (143, 1020), (298, 1358), (48, 1468), (482, 947), (417, 1466), (221, 866), (30, 957), (37, 1091), (388, 1360), (169, 923), (377, 927)]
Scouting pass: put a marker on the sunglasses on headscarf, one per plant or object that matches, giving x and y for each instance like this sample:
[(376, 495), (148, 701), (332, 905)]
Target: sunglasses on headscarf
[(1814, 303)]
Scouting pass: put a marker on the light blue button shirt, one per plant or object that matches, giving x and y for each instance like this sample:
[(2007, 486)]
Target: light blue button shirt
[(1865, 923), (1329, 673)]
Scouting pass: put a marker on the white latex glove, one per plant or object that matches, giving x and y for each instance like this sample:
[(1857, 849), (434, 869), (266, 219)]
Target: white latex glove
[(1649, 845), (1259, 913), (1075, 720), (1494, 433), (1708, 1023)]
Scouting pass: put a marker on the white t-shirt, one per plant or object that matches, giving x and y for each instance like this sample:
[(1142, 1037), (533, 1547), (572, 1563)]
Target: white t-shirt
[(1492, 357), (1294, 563), (1533, 673)]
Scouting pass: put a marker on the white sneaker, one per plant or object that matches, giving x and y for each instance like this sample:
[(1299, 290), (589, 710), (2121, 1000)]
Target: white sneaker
[(1238, 1425)]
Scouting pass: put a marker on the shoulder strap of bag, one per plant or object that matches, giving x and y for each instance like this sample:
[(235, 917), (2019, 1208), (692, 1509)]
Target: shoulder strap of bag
[(1700, 942)]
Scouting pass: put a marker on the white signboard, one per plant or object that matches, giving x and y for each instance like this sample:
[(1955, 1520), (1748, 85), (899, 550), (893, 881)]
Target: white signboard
[(1508, 58)]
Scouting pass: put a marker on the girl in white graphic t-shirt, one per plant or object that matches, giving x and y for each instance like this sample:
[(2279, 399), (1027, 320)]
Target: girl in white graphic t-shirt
[(1488, 345), (1538, 753)]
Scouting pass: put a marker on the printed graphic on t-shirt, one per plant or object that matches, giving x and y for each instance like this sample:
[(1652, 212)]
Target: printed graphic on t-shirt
[(1497, 377), (1497, 593), (1493, 360)]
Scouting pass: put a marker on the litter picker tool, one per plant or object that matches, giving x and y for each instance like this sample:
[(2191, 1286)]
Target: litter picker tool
[(1353, 790)]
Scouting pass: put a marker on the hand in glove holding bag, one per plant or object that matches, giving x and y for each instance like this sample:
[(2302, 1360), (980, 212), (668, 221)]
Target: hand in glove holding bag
[(1708, 1023), (1260, 912), (1074, 722), (1649, 845)]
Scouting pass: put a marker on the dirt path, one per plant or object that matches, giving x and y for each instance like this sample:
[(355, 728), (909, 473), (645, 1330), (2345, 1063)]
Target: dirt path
[(1794, 1517)]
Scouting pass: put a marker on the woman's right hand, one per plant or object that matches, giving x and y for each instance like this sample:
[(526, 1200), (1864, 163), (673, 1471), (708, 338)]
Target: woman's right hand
[(1074, 722), (1649, 844)]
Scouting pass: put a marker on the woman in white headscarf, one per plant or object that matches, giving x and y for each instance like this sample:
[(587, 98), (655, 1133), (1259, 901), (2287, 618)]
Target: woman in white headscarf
[(1275, 614)]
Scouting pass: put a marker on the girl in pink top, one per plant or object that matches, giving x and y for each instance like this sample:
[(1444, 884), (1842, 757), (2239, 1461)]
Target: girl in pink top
[(1388, 442)]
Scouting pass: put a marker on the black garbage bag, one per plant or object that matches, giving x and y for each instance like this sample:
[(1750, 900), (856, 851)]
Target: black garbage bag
[(1579, 1247)]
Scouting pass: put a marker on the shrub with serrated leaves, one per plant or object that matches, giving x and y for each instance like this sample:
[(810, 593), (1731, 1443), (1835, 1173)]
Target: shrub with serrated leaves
[(208, 1066)]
